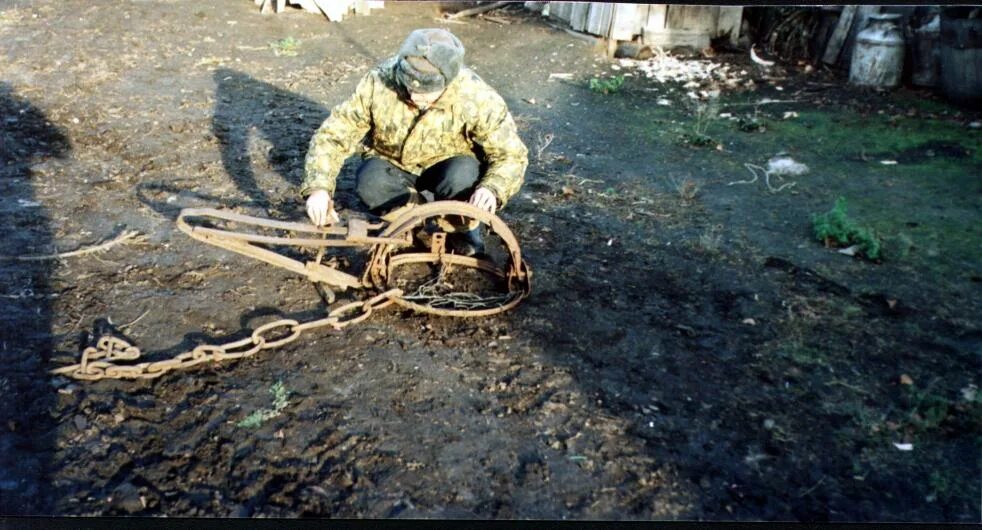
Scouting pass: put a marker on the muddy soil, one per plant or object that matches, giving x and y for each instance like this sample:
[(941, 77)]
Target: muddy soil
[(690, 351)]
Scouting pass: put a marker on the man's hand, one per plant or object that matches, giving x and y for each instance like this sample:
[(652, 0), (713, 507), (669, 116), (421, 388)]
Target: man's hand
[(320, 208), (484, 199)]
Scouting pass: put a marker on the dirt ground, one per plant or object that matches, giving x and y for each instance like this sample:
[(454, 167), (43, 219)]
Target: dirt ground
[(690, 350)]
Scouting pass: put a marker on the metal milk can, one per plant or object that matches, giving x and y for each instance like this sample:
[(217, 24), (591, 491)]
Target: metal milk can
[(878, 57)]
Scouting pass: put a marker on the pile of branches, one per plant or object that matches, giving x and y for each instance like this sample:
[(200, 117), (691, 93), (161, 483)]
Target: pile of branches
[(789, 32)]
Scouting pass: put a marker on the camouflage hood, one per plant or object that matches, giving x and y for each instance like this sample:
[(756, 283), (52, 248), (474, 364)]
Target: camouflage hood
[(439, 48)]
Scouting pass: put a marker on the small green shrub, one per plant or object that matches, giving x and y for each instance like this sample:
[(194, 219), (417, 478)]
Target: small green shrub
[(697, 140), (606, 86), (286, 46), (835, 228), (260, 416), (750, 124), (928, 409)]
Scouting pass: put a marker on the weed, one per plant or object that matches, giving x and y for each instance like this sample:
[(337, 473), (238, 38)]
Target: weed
[(870, 422), (685, 187), (850, 310), (709, 241), (804, 355), (897, 247), (606, 86), (836, 228), (543, 143), (286, 46), (704, 113), (928, 410), (750, 124), (260, 416), (940, 485), (697, 140)]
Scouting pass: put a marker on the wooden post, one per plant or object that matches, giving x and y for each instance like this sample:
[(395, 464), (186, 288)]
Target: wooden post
[(334, 11), (611, 47), (838, 37)]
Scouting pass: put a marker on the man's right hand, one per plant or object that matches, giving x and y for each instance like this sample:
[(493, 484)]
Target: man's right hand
[(320, 208)]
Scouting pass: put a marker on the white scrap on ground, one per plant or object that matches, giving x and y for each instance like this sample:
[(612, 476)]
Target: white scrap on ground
[(756, 58), (781, 165), (785, 166), (692, 72)]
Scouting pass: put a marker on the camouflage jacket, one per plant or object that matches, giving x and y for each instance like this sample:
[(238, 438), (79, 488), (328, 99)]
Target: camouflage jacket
[(469, 114)]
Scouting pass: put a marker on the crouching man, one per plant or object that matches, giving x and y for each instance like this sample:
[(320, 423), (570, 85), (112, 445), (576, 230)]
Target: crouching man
[(431, 124)]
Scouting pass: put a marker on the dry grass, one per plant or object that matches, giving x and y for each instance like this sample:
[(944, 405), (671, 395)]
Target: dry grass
[(686, 188)]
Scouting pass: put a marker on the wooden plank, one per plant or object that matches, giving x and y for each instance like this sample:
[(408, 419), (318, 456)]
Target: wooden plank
[(598, 18), (675, 17), (670, 38), (561, 10), (627, 20), (577, 18), (334, 10), (700, 18), (692, 17), (477, 10), (729, 21), (657, 18), (839, 35), (829, 18)]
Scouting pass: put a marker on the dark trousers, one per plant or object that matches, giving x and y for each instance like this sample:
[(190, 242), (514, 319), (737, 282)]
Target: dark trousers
[(382, 186)]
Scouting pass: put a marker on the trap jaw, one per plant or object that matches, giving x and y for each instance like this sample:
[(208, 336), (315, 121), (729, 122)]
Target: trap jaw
[(386, 241), (516, 275)]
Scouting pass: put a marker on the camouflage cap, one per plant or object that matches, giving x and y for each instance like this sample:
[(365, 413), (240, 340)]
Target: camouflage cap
[(429, 59)]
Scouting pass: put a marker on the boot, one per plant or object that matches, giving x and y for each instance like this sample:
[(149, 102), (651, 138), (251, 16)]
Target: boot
[(470, 243)]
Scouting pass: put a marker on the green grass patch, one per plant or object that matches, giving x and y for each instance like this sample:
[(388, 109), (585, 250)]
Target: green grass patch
[(287, 46), (845, 135), (605, 86), (804, 355)]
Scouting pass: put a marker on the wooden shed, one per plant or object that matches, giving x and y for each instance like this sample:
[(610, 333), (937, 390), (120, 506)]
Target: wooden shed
[(665, 25)]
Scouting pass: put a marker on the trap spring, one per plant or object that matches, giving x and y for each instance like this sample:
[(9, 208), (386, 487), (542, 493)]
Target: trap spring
[(391, 247)]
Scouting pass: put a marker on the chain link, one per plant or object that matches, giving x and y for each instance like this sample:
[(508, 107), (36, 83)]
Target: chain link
[(97, 361)]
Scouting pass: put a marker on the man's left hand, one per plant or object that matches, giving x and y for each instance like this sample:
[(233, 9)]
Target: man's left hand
[(484, 199)]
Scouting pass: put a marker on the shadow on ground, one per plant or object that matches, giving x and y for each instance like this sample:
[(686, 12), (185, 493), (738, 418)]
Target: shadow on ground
[(26, 427)]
